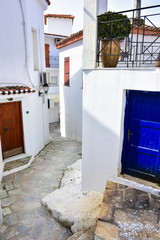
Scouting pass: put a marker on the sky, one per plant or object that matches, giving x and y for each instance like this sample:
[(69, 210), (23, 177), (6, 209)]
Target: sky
[(75, 8)]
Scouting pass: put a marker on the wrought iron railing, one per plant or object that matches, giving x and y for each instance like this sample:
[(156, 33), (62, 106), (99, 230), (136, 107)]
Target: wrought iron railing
[(138, 45)]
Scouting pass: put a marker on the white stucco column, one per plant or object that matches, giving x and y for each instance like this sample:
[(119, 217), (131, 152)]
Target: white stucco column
[(92, 8), (90, 34)]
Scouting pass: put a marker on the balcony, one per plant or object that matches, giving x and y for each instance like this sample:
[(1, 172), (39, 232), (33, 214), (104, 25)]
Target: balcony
[(136, 38), (52, 61)]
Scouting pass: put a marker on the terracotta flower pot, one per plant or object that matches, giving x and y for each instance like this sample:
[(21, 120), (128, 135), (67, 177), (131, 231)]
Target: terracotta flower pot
[(110, 53)]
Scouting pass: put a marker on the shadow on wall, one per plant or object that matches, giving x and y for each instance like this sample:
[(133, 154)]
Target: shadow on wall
[(100, 151), (72, 118)]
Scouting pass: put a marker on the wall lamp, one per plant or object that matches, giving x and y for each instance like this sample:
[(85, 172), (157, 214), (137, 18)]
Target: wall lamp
[(43, 89)]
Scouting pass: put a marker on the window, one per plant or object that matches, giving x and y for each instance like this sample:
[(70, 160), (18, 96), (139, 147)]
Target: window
[(35, 49), (53, 81), (66, 72)]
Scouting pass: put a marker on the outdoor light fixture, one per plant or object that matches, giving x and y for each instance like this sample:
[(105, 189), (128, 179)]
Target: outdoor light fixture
[(43, 89)]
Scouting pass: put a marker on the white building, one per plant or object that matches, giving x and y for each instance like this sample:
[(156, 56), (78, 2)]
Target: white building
[(24, 119), (70, 54), (57, 27), (120, 114)]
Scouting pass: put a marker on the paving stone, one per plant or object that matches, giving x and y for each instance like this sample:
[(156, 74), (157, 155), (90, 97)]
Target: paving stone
[(23, 230), (106, 231), (6, 202), (28, 219), (11, 233), (10, 219), (106, 212), (6, 211), (9, 187), (17, 206), (114, 197), (76, 235), (14, 192), (3, 228), (37, 228), (111, 185), (136, 199), (3, 193)]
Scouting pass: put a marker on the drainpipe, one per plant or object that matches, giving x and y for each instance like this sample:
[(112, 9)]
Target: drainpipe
[(1, 173)]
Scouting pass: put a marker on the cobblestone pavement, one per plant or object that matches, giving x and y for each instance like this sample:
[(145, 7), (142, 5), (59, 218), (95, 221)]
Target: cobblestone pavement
[(21, 193)]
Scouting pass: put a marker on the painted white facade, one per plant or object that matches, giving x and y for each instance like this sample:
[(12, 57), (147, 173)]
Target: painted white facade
[(59, 26), (71, 96), (103, 109), (103, 120), (13, 70)]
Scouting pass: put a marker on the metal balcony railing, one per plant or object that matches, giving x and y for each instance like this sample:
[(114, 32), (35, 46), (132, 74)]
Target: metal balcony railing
[(136, 37)]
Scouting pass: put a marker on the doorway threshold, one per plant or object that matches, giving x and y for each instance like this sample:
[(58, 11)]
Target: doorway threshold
[(16, 157), (140, 181)]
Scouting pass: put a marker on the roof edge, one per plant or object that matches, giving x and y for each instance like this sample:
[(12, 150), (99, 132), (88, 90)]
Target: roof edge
[(71, 39)]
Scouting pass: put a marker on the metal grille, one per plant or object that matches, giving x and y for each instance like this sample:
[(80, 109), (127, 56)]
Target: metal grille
[(142, 47)]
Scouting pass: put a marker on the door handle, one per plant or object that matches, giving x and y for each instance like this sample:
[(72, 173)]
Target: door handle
[(5, 129), (129, 134)]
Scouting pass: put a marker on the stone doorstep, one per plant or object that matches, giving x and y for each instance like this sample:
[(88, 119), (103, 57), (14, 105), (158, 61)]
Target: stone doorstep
[(80, 235), (76, 235), (132, 206)]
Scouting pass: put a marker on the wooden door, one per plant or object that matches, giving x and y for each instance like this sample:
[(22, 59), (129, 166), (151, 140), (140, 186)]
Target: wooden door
[(142, 147), (47, 55), (11, 129)]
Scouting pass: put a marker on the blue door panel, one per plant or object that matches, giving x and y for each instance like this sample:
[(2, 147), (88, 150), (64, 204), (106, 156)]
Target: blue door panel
[(141, 156)]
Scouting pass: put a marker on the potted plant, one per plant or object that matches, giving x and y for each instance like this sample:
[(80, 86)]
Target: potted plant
[(112, 27)]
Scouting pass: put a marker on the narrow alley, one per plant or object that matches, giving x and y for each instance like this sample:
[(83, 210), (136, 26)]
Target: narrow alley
[(21, 193)]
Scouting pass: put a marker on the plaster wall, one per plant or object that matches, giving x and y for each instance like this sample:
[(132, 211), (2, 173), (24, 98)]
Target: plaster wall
[(71, 97), (52, 48), (13, 69), (54, 113), (59, 26), (33, 111), (103, 120)]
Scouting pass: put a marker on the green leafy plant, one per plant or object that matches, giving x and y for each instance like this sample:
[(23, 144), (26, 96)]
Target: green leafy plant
[(113, 25)]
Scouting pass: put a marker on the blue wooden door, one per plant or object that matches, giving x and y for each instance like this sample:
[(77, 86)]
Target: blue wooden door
[(141, 150)]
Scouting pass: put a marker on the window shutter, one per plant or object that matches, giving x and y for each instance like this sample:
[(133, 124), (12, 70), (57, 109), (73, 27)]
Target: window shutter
[(47, 55), (66, 71)]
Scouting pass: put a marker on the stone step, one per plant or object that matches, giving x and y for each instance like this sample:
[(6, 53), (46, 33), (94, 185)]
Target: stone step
[(76, 235), (89, 235), (16, 163)]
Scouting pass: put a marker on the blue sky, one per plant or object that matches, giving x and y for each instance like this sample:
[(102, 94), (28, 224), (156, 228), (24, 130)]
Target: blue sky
[(75, 7)]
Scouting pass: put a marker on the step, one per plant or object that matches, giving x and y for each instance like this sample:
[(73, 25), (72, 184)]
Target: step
[(76, 235), (16, 163), (89, 235)]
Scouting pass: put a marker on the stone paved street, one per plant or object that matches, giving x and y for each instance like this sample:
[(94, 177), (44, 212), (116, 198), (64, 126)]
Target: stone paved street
[(21, 193)]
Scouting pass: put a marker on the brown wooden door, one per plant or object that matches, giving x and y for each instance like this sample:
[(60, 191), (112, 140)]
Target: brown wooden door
[(11, 129), (47, 55)]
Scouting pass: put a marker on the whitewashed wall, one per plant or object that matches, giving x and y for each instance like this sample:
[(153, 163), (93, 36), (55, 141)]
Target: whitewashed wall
[(59, 26), (103, 120), (71, 97), (13, 70), (52, 48)]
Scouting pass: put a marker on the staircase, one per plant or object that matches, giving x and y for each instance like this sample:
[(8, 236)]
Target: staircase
[(126, 213), (89, 235)]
